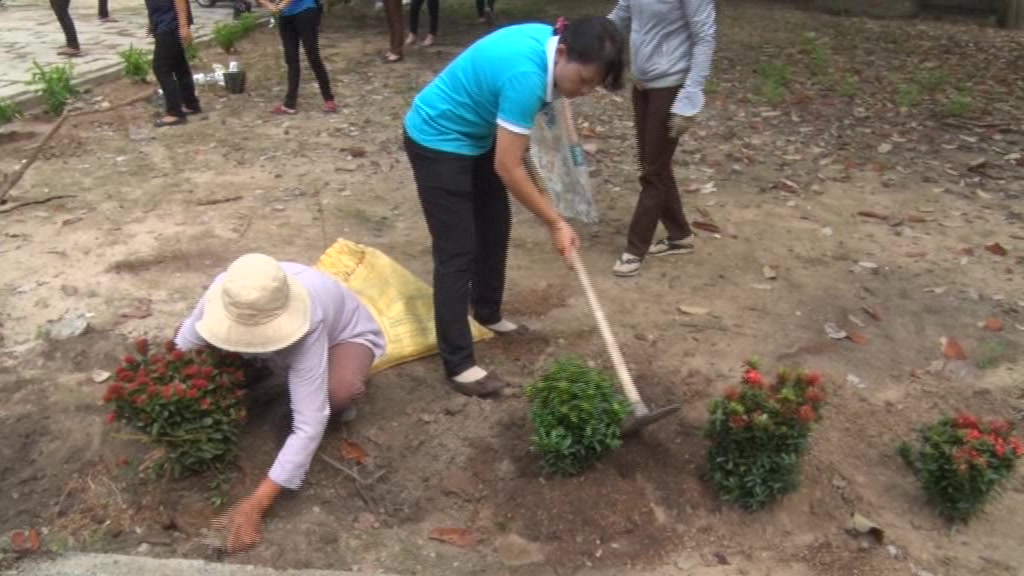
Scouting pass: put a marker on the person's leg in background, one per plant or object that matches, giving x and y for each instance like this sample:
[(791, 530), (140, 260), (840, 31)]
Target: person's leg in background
[(485, 11), (393, 9), (290, 42), (62, 10), (414, 21), (186, 85), (166, 46), (308, 24), (103, 11), (434, 7), (657, 183)]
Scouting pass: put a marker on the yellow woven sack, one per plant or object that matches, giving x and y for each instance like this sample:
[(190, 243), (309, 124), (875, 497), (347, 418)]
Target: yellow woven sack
[(401, 303)]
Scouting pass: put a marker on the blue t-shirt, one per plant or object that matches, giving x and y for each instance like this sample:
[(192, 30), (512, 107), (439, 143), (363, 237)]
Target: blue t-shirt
[(297, 6), (502, 79)]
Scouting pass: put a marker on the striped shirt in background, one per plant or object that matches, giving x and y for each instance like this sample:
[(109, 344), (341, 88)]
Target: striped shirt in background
[(336, 315), (671, 44)]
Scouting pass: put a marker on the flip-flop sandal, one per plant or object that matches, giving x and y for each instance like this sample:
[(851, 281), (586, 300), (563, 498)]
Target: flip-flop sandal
[(108, 20), (188, 112), (389, 58), (163, 123), (280, 110), (69, 53)]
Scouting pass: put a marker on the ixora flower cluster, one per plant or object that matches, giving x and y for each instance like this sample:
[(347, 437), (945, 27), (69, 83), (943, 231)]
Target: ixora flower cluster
[(758, 432), (961, 463), (187, 403)]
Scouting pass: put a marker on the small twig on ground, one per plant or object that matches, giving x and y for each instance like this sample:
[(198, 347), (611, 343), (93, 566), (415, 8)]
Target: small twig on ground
[(215, 201), (13, 207), (342, 467), (710, 327), (25, 165)]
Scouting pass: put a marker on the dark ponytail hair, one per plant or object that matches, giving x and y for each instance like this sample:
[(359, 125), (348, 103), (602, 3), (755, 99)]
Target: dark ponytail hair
[(595, 40)]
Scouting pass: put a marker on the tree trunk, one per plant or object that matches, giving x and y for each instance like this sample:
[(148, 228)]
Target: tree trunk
[(1011, 14)]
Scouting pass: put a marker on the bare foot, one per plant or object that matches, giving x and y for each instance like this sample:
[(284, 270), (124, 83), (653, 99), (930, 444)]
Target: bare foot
[(429, 41), (410, 39)]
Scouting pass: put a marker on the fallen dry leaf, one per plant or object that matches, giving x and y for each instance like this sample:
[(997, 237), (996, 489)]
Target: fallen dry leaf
[(706, 226), (352, 451), (139, 310), (872, 214), (994, 325), (951, 349), (769, 272), (916, 218), (693, 310), (872, 311), (455, 536), (787, 186), (835, 332), (857, 337), (25, 542), (965, 251), (996, 248)]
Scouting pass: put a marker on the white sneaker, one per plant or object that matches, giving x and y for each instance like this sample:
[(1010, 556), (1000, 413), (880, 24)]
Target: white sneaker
[(627, 265), (666, 247)]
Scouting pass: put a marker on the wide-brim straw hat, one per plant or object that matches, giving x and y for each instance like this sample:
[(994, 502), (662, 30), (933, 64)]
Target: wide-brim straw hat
[(256, 308)]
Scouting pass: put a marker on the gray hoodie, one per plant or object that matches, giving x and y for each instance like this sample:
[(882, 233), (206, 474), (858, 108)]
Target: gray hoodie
[(671, 44)]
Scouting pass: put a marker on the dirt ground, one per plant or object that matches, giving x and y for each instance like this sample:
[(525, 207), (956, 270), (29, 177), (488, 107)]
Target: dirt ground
[(783, 172)]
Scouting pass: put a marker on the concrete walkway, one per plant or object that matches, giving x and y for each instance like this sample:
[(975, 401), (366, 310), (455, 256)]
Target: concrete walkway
[(29, 31), (113, 565)]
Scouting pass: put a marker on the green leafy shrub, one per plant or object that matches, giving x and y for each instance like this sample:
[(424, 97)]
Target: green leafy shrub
[(962, 463), (55, 84), (9, 111), (188, 404), (758, 434), (247, 22), (191, 52), (227, 34), (137, 63), (576, 413)]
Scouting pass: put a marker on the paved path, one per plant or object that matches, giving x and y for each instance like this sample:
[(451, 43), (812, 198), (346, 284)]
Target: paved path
[(29, 31), (113, 565)]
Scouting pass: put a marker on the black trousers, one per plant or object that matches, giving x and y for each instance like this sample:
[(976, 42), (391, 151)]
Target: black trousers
[(433, 6), (480, 6), (303, 27), (170, 66), (104, 9), (62, 9), (470, 218)]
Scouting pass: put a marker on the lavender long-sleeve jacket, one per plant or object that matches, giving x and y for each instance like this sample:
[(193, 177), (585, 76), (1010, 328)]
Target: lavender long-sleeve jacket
[(671, 43)]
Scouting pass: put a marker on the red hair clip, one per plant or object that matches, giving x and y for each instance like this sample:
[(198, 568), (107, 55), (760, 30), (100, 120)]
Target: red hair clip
[(561, 24)]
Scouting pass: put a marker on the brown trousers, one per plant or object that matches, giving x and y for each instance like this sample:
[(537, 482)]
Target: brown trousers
[(396, 25), (659, 197), (348, 371)]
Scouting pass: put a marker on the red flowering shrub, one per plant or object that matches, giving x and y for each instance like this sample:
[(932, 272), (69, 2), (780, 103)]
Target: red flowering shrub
[(962, 462), (758, 433), (187, 403)]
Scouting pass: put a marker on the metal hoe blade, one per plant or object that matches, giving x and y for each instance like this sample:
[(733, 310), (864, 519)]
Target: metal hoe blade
[(638, 423)]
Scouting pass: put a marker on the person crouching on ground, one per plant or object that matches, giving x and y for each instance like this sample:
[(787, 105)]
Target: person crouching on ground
[(301, 320), (466, 135), (299, 21), (671, 47), (170, 24)]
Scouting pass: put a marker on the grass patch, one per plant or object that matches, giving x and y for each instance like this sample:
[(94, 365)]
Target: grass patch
[(993, 353), (959, 105), (774, 81), (9, 111), (55, 84), (137, 63)]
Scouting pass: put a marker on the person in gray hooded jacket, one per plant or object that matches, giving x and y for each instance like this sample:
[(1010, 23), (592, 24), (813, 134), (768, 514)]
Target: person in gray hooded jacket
[(671, 47)]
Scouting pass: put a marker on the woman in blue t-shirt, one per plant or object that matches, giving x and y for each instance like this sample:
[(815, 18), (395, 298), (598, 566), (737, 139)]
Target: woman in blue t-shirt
[(466, 136), (299, 21)]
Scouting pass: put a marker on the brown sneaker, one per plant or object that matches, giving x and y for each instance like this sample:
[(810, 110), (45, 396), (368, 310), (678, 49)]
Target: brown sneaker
[(487, 386)]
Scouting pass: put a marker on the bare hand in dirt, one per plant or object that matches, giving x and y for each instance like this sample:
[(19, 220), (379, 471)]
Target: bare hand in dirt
[(565, 240), (679, 125), (241, 526)]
